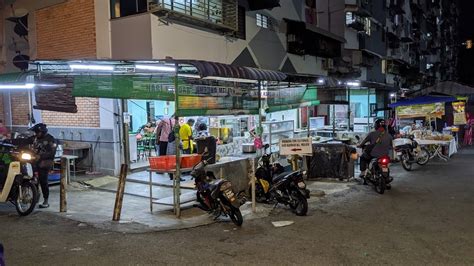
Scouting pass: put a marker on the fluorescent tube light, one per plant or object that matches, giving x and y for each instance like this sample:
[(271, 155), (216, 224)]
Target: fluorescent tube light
[(156, 68), (91, 67), (353, 83), (320, 81), (26, 86)]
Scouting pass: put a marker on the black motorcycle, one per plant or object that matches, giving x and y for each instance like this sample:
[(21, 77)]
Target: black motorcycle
[(378, 174), (216, 195), (274, 185), (409, 152)]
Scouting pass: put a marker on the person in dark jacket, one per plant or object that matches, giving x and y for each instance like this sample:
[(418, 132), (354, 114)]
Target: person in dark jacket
[(44, 146), (380, 144)]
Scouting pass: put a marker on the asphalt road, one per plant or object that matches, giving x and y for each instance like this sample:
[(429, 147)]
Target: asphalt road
[(427, 218)]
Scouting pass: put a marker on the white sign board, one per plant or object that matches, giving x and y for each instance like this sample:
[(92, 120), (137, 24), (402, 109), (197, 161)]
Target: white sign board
[(296, 146), (126, 118)]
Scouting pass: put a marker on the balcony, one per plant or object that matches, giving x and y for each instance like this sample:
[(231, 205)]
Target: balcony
[(221, 15), (356, 23)]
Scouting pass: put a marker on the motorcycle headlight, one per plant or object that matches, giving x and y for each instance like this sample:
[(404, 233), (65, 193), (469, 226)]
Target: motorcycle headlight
[(26, 156)]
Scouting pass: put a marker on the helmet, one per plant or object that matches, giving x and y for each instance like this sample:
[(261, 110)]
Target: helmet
[(379, 123), (39, 128)]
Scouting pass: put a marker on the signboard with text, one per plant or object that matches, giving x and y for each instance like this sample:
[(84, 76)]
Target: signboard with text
[(459, 113), (300, 146)]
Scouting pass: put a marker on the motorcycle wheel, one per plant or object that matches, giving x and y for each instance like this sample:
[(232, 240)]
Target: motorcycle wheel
[(423, 157), (235, 215), (301, 204), (380, 185), (29, 197), (259, 194), (406, 162)]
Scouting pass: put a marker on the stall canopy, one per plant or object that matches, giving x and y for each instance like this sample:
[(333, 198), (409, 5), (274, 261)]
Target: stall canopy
[(423, 100), (204, 88), (446, 87)]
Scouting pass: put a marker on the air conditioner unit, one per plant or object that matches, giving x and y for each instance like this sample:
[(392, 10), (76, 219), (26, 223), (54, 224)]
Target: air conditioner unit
[(328, 64)]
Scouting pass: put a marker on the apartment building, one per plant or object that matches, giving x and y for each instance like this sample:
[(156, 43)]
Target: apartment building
[(277, 35)]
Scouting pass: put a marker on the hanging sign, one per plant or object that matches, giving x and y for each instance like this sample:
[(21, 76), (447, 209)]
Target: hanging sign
[(299, 146), (421, 110), (459, 113)]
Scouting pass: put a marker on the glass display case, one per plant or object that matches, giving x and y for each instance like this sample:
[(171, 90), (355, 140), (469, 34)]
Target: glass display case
[(227, 127), (274, 131)]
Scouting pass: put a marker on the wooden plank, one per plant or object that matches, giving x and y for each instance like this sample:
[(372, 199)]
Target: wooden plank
[(184, 198)]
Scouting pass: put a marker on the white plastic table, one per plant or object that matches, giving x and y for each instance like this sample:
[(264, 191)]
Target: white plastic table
[(438, 152)]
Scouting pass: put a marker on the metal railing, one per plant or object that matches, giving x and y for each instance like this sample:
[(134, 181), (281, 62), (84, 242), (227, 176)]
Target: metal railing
[(220, 12)]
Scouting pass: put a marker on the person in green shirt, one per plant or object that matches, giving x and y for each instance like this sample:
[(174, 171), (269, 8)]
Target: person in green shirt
[(186, 136)]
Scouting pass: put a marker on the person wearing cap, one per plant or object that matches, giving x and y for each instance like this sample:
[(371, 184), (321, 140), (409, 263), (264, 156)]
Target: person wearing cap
[(44, 146)]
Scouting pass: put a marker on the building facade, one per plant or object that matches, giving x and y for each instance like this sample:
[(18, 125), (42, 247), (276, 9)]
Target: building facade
[(379, 46)]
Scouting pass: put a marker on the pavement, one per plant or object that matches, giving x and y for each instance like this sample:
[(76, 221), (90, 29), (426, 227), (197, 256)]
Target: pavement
[(91, 202), (427, 218)]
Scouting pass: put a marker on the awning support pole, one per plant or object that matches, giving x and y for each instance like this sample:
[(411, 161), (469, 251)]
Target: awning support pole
[(177, 176), (259, 134)]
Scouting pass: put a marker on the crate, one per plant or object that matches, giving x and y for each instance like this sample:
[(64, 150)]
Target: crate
[(166, 162), (190, 160)]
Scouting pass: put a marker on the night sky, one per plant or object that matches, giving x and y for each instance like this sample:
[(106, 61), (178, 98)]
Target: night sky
[(466, 31)]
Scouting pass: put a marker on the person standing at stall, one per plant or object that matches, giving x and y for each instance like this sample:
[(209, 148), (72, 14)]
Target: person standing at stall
[(186, 136), (162, 132), (44, 146)]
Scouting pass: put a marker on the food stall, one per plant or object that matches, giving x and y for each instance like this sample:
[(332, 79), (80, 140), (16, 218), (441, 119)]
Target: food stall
[(424, 112)]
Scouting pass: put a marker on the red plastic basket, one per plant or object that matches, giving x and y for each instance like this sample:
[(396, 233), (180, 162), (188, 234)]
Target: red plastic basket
[(166, 162), (190, 160)]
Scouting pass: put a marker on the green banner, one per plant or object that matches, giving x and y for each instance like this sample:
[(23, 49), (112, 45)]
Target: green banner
[(291, 98), (125, 87), (194, 99)]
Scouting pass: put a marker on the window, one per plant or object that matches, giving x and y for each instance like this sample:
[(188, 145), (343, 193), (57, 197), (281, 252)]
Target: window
[(241, 34), (429, 66), (368, 26), (262, 21), (350, 18)]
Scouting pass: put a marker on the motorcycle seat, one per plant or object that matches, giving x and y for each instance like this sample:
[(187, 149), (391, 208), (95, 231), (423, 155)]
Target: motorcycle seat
[(284, 175), (404, 147)]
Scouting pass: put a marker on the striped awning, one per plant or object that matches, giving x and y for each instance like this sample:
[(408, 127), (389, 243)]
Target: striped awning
[(214, 69)]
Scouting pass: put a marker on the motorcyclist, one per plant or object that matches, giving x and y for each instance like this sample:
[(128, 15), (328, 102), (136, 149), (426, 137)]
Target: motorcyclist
[(44, 146), (380, 144)]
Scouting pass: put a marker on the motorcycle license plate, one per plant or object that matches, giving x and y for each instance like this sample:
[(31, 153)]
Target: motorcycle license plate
[(229, 194), (385, 169)]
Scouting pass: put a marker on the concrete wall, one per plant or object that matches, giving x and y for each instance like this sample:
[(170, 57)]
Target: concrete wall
[(144, 36), (131, 37)]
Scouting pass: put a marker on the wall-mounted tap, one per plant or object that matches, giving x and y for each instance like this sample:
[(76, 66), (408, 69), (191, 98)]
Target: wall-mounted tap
[(80, 135), (62, 134), (72, 135)]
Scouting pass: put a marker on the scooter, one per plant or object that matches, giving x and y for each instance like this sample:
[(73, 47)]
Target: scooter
[(20, 185), (409, 152), (216, 196), (274, 185)]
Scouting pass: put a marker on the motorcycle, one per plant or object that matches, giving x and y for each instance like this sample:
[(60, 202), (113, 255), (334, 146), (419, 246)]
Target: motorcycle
[(273, 185), (378, 174), (20, 185), (409, 152), (216, 195)]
